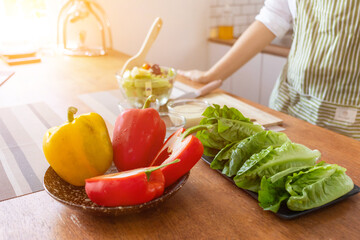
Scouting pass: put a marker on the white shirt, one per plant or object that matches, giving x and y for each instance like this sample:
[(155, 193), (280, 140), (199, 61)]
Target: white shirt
[(278, 15)]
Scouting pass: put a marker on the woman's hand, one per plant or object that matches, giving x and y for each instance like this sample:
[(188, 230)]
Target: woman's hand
[(195, 75)]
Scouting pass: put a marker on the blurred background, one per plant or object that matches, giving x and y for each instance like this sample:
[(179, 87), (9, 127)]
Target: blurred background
[(194, 35), (28, 24), (182, 42)]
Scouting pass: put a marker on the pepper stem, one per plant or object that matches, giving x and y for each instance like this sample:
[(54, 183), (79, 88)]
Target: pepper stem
[(71, 112), (150, 170), (194, 129), (148, 101)]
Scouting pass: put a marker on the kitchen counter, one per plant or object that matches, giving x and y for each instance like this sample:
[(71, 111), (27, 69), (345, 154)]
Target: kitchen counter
[(207, 207), (279, 47)]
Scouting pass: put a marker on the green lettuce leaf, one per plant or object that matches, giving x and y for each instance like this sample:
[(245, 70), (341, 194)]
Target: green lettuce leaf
[(272, 190), (230, 113), (234, 130), (223, 156), (319, 185), (271, 195), (232, 156), (270, 161), (254, 144), (228, 126), (210, 151)]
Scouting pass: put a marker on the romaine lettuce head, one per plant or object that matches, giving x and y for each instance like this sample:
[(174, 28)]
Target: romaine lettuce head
[(272, 190), (234, 130), (223, 156), (270, 161), (232, 156), (225, 112), (211, 152), (319, 185), (229, 125), (211, 140), (271, 195), (254, 144)]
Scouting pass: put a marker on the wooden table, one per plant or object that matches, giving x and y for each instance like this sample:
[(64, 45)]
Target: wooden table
[(207, 207)]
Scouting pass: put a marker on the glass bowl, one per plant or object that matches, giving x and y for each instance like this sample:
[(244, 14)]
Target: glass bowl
[(136, 90), (173, 122), (191, 109)]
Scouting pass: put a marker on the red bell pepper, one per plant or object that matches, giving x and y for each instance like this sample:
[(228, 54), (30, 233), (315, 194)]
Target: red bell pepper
[(166, 149), (180, 145), (138, 136), (126, 188)]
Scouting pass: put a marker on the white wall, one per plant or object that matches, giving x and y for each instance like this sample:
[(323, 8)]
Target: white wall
[(182, 41)]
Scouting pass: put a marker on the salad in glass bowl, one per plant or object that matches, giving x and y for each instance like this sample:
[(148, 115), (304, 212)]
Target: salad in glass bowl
[(140, 82)]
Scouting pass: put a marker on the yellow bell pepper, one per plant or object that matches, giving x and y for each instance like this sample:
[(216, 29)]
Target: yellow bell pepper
[(80, 148)]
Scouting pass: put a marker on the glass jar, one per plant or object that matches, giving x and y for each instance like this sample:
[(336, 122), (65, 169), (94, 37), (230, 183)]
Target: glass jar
[(226, 25), (83, 29)]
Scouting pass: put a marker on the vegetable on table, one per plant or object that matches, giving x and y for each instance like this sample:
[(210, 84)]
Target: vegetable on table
[(272, 190), (138, 136), (228, 125), (305, 187), (126, 188), (180, 145), (317, 186), (231, 158), (272, 160), (269, 163), (80, 148), (167, 148)]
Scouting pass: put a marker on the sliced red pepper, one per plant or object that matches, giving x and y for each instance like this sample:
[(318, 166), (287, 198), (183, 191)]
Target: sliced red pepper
[(126, 188), (138, 136), (181, 145), (166, 149)]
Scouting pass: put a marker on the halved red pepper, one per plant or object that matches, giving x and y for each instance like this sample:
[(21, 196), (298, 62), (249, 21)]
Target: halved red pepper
[(127, 188), (166, 149), (138, 136), (180, 145)]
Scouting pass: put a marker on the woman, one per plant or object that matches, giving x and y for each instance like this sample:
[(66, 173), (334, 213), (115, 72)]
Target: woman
[(321, 81)]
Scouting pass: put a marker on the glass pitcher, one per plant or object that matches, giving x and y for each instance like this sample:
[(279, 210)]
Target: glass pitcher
[(83, 29)]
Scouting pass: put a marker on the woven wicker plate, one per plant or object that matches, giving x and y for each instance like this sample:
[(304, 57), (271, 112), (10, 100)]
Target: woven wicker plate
[(76, 198)]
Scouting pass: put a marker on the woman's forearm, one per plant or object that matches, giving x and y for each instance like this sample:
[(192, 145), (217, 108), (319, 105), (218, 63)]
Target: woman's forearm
[(250, 43)]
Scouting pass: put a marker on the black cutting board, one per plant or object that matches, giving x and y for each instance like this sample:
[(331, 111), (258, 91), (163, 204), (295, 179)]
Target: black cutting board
[(283, 211)]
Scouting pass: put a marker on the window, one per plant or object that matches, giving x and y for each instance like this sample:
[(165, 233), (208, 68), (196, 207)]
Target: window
[(28, 23)]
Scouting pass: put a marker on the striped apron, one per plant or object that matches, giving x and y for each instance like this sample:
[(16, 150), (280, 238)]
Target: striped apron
[(320, 82)]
